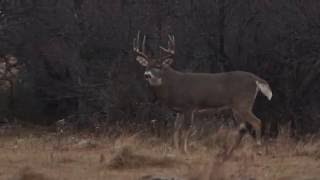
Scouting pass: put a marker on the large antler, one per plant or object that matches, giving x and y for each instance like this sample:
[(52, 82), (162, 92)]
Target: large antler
[(9, 70), (9, 67), (171, 48), (136, 46)]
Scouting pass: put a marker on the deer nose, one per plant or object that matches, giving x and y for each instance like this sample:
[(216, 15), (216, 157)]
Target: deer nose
[(147, 75)]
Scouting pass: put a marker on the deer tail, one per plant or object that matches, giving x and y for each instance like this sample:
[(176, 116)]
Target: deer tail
[(264, 87)]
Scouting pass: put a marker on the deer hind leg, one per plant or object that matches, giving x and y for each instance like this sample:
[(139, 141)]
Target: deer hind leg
[(255, 122), (241, 132)]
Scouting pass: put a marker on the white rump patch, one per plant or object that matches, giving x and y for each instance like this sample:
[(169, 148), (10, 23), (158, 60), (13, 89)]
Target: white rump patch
[(265, 89)]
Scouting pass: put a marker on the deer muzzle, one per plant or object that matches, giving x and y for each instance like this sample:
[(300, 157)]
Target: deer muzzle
[(147, 75)]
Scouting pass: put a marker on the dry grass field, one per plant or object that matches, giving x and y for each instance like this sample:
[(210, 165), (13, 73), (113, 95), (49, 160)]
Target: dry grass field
[(43, 156)]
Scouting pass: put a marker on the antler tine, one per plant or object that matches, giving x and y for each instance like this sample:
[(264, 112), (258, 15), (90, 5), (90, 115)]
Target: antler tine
[(169, 44), (173, 43), (138, 40), (171, 47), (143, 44), (136, 46), (171, 38)]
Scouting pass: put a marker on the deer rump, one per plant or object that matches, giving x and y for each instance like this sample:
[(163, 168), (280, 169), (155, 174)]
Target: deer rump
[(182, 91)]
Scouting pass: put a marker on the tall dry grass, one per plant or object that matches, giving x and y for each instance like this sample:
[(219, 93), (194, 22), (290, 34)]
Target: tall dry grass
[(136, 155)]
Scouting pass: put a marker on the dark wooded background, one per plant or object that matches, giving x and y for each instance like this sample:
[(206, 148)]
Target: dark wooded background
[(80, 65)]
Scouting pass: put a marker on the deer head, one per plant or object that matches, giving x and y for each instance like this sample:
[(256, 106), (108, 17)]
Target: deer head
[(154, 67)]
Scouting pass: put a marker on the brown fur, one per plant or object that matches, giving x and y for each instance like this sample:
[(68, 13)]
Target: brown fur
[(187, 93)]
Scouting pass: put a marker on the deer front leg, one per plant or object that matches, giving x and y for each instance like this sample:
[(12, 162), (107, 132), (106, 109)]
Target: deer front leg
[(177, 130), (189, 118)]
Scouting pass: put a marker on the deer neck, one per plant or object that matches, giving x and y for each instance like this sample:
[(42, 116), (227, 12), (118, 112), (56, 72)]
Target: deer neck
[(169, 79)]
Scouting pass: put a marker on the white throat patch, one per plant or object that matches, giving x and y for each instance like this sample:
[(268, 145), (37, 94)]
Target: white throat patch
[(152, 79), (149, 73)]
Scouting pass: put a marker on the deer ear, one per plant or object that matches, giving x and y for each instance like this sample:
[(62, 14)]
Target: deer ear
[(142, 61), (168, 61)]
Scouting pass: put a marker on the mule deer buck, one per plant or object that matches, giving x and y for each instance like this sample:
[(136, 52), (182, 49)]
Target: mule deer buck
[(187, 93)]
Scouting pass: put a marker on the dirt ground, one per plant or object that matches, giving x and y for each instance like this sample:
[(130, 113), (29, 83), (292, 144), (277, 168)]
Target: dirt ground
[(82, 157)]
